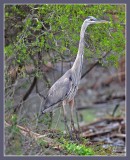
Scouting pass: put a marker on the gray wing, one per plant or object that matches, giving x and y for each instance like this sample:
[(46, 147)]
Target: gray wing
[(59, 90)]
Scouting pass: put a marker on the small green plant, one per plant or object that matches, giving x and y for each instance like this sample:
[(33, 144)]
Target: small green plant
[(75, 148), (14, 119), (78, 149)]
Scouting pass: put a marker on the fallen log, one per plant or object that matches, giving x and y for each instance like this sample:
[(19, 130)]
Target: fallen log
[(118, 135), (105, 130), (104, 120)]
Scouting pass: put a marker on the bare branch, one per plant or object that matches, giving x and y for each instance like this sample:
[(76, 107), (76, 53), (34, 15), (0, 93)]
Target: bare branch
[(26, 94), (95, 64)]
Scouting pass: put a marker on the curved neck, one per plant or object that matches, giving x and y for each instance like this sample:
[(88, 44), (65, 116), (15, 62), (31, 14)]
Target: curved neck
[(77, 66), (81, 42)]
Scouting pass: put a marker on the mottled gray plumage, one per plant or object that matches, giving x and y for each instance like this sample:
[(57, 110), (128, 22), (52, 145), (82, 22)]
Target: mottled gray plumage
[(59, 91), (65, 88)]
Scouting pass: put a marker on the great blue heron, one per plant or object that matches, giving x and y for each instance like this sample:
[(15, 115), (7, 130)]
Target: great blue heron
[(65, 88)]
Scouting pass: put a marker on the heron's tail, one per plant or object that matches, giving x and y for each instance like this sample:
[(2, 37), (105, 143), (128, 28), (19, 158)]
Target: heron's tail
[(49, 109)]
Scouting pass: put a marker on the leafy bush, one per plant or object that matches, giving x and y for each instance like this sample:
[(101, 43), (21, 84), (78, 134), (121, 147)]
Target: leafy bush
[(31, 29)]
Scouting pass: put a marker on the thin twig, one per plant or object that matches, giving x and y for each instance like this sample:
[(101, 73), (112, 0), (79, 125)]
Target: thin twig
[(95, 64), (26, 94)]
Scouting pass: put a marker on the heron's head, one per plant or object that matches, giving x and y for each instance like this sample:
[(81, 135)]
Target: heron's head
[(92, 20)]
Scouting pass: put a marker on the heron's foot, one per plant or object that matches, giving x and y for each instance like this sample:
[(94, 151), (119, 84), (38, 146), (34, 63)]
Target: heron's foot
[(73, 130), (73, 127), (70, 134), (77, 136), (71, 137)]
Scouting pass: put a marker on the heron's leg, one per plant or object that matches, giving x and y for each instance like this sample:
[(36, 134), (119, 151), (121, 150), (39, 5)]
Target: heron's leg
[(77, 123), (72, 121), (77, 119), (71, 103), (65, 119), (72, 115)]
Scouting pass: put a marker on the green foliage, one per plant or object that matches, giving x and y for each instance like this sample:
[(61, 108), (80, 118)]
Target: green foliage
[(14, 119), (14, 129), (8, 50), (46, 28), (82, 148), (78, 149)]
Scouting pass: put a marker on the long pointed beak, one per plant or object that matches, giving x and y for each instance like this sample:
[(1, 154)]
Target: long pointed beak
[(102, 21)]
